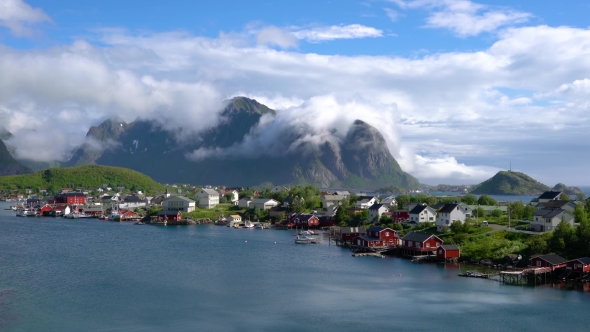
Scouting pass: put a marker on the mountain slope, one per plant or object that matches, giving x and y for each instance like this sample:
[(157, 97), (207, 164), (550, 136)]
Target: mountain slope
[(510, 183), (98, 139), (361, 161), (81, 176), (8, 165)]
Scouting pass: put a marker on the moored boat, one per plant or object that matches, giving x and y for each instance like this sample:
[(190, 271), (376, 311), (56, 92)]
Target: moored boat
[(303, 239)]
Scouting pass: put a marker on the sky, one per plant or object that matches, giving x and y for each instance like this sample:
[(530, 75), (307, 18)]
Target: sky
[(460, 89)]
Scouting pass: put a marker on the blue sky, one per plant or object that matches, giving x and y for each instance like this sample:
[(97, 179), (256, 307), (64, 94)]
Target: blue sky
[(459, 88)]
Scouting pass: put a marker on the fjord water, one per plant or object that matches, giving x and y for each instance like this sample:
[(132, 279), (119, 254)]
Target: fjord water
[(91, 275)]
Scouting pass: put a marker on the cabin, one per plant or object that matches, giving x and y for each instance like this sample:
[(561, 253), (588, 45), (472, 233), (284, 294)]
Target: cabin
[(448, 252), (61, 210), (169, 215), (349, 233), (579, 265), (365, 202), (128, 215), (305, 220), (233, 219), (71, 198), (399, 216), (263, 203), (376, 211), (46, 210), (421, 242), (550, 196), (448, 214), (551, 261), (546, 220), (377, 237), (422, 213)]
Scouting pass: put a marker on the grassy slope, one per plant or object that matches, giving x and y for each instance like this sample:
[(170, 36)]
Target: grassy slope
[(81, 176), (510, 183)]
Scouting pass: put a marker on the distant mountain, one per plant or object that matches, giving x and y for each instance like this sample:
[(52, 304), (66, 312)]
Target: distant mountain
[(510, 183), (81, 176), (572, 191), (8, 165), (362, 160)]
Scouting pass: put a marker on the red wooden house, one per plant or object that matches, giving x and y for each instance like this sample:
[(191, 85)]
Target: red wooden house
[(421, 242), (377, 237), (305, 220), (128, 215), (448, 251), (349, 233), (71, 198), (46, 210), (398, 216), (170, 215), (579, 265), (551, 261)]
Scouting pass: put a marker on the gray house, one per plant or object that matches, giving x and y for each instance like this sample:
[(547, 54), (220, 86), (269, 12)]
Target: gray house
[(448, 214), (376, 210), (545, 220), (331, 200)]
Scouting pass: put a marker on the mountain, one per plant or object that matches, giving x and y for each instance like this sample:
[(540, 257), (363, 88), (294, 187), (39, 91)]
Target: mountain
[(8, 165), (510, 183), (361, 160), (571, 191), (81, 176)]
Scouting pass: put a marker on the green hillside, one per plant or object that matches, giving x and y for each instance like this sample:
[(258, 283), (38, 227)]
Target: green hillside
[(510, 183), (82, 176)]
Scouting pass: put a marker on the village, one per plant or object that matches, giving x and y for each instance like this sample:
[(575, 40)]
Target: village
[(370, 225)]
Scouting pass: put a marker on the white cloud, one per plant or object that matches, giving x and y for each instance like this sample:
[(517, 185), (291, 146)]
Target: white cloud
[(437, 170), (275, 36), (19, 17), (326, 33), (392, 14), (466, 18), (491, 98)]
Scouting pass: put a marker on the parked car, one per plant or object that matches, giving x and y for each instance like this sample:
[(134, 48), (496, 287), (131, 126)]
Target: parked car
[(520, 228)]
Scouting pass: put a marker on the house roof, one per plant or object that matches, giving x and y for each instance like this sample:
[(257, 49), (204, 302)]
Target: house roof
[(342, 193), (368, 238), (449, 247), (548, 213), (420, 237), (235, 216), (550, 195), (334, 197), (186, 199), (379, 229), (418, 209), (376, 206), (438, 206), (551, 258), (583, 260), (304, 216), (263, 200), (364, 198), (209, 191), (133, 198), (448, 208), (555, 204), (348, 230)]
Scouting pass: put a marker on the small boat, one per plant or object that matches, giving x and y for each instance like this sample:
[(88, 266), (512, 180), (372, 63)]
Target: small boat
[(258, 226), (306, 233), (248, 225), (470, 274), (303, 239)]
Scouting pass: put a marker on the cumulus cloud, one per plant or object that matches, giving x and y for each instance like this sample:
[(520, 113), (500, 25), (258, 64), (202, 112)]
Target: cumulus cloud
[(275, 36), (325, 33), (492, 98), (446, 168), (465, 18), (20, 17)]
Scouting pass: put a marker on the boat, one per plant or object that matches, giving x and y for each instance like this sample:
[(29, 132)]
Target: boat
[(303, 239), (248, 224), (306, 233), (470, 274), (258, 226)]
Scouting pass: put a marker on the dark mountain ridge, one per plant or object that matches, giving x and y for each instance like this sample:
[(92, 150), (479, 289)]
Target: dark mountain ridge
[(8, 165), (361, 160)]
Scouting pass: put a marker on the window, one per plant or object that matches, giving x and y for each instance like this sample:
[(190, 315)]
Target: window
[(548, 220), (538, 263), (427, 245), (386, 234)]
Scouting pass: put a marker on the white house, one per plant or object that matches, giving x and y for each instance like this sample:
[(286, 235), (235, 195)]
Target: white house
[(208, 198), (545, 220), (422, 213), (365, 202), (244, 203), (178, 203), (569, 206), (233, 219), (234, 195), (389, 201), (376, 210), (448, 214), (550, 196), (331, 200), (263, 203)]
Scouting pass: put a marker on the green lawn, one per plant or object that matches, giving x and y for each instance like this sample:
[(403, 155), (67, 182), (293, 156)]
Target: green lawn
[(214, 213)]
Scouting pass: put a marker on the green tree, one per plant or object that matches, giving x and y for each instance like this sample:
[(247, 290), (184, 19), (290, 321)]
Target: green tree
[(402, 200), (385, 219), (469, 199), (563, 238), (581, 197), (516, 210), (497, 213), (583, 238), (565, 197), (528, 212), (297, 204), (341, 216), (486, 200), (457, 227), (579, 214), (537, 245)]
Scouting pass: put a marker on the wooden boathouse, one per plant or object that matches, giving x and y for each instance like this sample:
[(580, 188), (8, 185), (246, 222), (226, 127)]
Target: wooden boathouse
[(420, 244)]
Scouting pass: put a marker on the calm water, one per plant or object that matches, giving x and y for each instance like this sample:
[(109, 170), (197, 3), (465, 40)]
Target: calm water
[(71, 275)]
